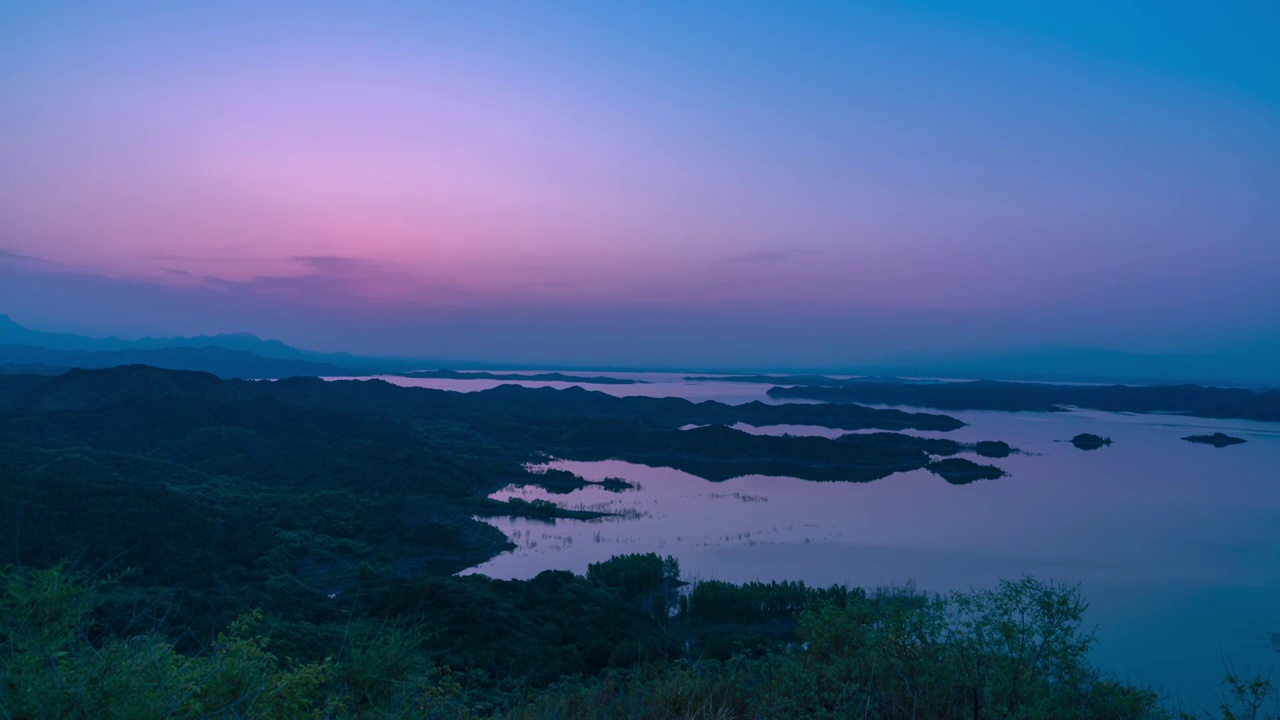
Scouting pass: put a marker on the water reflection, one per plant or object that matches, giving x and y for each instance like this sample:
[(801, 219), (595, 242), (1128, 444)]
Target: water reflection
[(1176, 545), (653, 385)]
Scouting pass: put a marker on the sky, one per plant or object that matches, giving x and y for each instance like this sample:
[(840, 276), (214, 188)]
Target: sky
[(732, 183)]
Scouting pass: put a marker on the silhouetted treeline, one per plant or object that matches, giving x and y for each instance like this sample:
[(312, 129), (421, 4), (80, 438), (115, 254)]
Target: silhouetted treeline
[(522, 377), (565, 646)]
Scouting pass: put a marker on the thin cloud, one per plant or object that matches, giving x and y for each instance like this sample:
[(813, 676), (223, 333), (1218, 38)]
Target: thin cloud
[(23, 260), (770, 255), (331, 280)]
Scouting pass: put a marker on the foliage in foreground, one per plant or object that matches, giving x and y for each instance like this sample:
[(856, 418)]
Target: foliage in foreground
[(1016, 651)]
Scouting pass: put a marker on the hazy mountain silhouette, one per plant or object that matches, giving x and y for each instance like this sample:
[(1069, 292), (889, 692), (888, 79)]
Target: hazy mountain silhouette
[(231, 355), (12, 333), (215, 360), (1250, 362), (1255, 361)]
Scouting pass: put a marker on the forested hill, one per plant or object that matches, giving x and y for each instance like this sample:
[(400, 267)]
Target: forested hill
[(311, 479), (330, 518)]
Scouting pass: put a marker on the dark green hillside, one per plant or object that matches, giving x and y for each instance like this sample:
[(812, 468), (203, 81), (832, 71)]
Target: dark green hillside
[(288, 490), (183, 546), (573, 647)]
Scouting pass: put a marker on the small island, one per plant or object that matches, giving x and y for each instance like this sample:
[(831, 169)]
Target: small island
[(993, 449), (1218, 440), (535, 510), (615, 484), (562, 482), (1089, 441), (959, 471)]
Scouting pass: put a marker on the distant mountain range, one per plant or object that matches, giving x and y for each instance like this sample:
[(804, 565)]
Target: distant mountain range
[(11, 333), (1255, 363), (238, 355), (216, 360)]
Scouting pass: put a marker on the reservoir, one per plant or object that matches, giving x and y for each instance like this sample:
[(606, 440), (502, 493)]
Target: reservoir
[(1175, 545)]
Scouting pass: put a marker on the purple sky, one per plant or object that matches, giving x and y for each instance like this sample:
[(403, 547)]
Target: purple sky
[(612, 183)]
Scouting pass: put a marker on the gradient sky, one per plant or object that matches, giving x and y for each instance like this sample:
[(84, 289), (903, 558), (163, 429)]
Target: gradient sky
[(644, 182)]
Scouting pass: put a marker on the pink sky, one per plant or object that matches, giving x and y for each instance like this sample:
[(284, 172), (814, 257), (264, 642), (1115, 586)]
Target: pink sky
[(436, 158)]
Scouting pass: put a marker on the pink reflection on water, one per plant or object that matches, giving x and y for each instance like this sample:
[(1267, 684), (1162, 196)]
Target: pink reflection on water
[(1176, 546), (1160, 533)]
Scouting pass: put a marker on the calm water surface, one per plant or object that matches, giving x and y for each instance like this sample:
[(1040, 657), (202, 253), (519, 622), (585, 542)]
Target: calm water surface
[(1176, 545), (654, 385)]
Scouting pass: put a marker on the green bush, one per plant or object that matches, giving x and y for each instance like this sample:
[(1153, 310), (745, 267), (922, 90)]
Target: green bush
[(1019, 650)]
